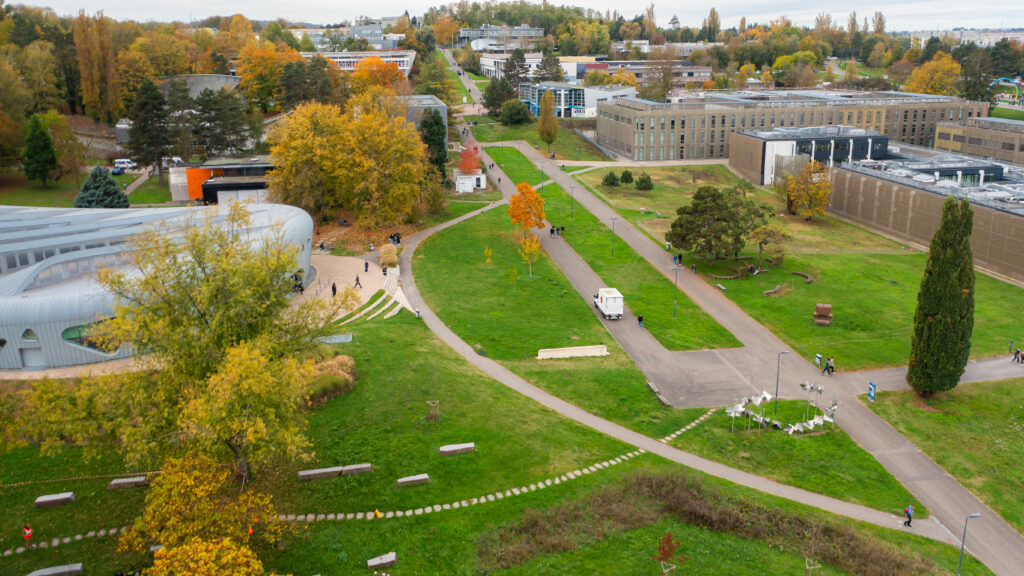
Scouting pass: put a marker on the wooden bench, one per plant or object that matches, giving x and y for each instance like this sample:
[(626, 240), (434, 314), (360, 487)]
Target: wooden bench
[(122, 483), (51, 500), (452, 449), (384, 561), (733, 277), (414, 480), (66, 570)]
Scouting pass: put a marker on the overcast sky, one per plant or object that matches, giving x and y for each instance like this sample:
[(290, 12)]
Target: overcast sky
[(910, 15)]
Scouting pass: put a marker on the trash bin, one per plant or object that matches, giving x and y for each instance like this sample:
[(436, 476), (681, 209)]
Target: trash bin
[(417, 313), (668, 246)]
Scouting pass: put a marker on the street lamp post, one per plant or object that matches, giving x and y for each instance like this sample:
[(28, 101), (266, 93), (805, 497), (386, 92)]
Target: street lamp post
[(778, 368), (613, 237), (572, 200), (963, 541), (675, 294)]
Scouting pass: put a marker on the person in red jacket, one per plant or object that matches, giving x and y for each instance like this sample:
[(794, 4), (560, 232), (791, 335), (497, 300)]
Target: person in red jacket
[(27, 533)]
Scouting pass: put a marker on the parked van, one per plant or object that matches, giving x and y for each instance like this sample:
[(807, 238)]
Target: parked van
[(124, 163), (608, 302)]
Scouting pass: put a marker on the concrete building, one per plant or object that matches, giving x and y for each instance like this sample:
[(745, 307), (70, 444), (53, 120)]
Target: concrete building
[(902, 197), (493, 65), (982, 37), (196, 83), (221, 180), (418, 104), (700, 126), (49, 295), (683, 72), (995, 138), (681, 49), (468, 183), (347, 60), (498, 38), (572, 101), (765, 156)]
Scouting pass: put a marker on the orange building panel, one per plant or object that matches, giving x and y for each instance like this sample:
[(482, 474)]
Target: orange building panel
[(196, 177)]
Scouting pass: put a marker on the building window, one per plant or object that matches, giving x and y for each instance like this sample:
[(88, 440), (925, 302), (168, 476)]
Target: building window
[(662, 123), (80, 335), (712, 121), (732, 121), (943, 136), (974, 141), (1008, 146), (959, 138), (29, 335), (672, 123), (640, 153)]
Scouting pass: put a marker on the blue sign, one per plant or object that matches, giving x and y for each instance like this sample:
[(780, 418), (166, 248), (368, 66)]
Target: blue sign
[(871, 391)]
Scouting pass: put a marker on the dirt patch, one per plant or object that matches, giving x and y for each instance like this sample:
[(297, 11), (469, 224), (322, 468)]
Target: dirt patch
[(922, 404)]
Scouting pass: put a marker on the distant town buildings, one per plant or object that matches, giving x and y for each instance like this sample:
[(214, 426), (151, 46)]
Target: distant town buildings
[(984, 37), (572, 101), (497, 38), (681, 49)]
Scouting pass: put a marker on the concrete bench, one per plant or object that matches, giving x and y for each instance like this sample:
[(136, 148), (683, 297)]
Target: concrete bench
[(384, 561), (321, 473), (121, 483), (773, 291), (451, 449), (353, 469), (66, 570), (414, 480), (51, 500)]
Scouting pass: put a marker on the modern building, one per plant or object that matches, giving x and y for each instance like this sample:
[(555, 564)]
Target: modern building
[(49, 294), (347, 60), (683, 72), (995, 138), (681, 49), (765, 156), (497, 38), (700, 126), (196, 83), (572, 101), (982, 37), (221, 180), (902, 197), (418, 104)]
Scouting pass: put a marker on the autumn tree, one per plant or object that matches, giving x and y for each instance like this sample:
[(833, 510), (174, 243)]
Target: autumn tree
[(808, 192), (529, 249), (134, 69), (206, 558), (937, 76), (193, 498), (97, 67), (69, 149), (714, 225), (39, 158), (547, 125), (100, 191), (944, 319), (765, 235), (667, 553), (375, 72), (235, 36), (445, 30), (434, 79), (260, 67), (304, 150), (38, 66), (526, 207), (469, 162)]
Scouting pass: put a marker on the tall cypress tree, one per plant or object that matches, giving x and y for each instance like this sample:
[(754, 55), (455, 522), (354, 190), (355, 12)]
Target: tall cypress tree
[(435, 136), (945, 305), (100, 191), (547, 128), (149, 141), (39, 157)]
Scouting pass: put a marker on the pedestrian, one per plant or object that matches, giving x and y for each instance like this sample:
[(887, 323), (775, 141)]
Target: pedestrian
[(552, 232), (358, 285), (334, 287), (124, 187), (909, 511), (1016, 355), (27, 533), (693, 268), (366, 267), (640, 320), (562, 231), (384, 270)]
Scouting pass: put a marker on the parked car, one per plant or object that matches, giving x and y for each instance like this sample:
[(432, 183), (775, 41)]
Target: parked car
[(124, 163), (117, 171), (170, 161)]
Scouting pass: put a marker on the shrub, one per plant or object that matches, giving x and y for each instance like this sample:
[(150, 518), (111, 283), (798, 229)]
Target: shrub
[(644, 182), (389, 255), (334, 377), (610, 179), (627, 177), (514, 112)]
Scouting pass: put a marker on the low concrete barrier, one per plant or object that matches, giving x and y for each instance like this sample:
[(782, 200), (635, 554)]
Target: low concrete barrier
[(414, 480), (51, 500), (66, 570), (120, 483), (451, 449), (572, 352), (384, 561)]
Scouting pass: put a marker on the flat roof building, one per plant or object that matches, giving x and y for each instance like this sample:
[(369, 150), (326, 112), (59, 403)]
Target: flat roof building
[(499, 38), (418, 104), (347, 60), (700, 126), (572, 101), (49, 294), (683, 72), (765, 156), (996, 138)]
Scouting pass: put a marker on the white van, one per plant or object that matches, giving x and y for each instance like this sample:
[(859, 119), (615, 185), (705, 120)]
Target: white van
[(608, 302), (124, 163)]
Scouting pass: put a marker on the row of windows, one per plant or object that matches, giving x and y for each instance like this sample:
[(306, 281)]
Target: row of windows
[(16, 260), (76, 268), (960, 138)]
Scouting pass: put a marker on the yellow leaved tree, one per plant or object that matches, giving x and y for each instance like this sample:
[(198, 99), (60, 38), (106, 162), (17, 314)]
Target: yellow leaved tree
[(937, 76), (529, 250), (809, 190), (206, 558)]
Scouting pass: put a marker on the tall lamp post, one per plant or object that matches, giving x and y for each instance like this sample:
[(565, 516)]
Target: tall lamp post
[(675, 294), (572, 200), (613, 237), (963, 541), (778, 368)]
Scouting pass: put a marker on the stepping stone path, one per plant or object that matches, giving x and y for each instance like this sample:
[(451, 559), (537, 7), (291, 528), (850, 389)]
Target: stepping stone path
[(676, 434), (414, 480), (384, 561), (457, 449), (51, 500), (121, 483)]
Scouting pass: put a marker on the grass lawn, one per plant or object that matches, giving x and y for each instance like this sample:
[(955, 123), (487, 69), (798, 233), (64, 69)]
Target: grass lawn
[(457, 86), (646, 290), (1009, 113), (477, 77), (151, 192), (654, 210), (571, 169), (16, 191), (515, 165), (873, 298), (568, 146), (828, 462), (974, 432)]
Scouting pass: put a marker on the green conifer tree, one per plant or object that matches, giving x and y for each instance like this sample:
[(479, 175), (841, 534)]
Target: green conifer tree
[(39, 158), (944, 318), (435, 136), (100, 190)]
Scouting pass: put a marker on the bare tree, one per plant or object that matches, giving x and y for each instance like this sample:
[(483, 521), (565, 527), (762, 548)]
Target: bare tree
[(878, 23)]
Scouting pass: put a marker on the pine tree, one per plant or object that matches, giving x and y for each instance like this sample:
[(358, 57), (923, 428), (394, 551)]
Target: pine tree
[(515, 69), (149, 141), (100, 191), (627, 177), (944, 318), (435, 136), (610, 179), (497, 93), (548, 125), (644, 182), (549, 69), (39, 157)]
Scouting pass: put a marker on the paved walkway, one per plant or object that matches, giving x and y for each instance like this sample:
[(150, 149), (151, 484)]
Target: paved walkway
[(995, 543), (474, 91)]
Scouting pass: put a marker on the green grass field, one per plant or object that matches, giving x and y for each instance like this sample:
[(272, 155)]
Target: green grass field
[(568, 146), (151, 192), (515, 165), (16, 191), (975, 432), (457, 86), (1008, 113)]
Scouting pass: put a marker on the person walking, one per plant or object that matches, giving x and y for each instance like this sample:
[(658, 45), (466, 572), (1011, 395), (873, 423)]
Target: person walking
[(358, 285), (26, 532), (909, 511), (366, 267), (693, 268), (1016, 355), (334, 288), (640, 320)]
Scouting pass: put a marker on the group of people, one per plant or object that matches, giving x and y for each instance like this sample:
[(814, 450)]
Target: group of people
[(395, 238), (830, 366), (557, 231)]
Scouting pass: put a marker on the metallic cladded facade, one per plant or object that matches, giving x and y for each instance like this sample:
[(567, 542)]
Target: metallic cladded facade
[(49, 295), (996, 138), (700, 127)]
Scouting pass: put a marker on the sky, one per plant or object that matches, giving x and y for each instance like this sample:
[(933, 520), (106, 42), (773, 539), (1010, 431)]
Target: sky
[(909, 15)]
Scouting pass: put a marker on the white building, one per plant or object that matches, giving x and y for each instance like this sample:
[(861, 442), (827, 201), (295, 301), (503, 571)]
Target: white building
[(572, 101), (347, 60), (468, 183), (493, 65), (499, 38)]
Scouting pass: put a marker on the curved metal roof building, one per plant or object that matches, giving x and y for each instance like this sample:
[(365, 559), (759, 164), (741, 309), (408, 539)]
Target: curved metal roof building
[(48, 261)]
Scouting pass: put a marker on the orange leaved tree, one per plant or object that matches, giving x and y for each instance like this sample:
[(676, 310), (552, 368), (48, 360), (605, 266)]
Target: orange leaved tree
[(526, 207), (375, 72), (469, 162)]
